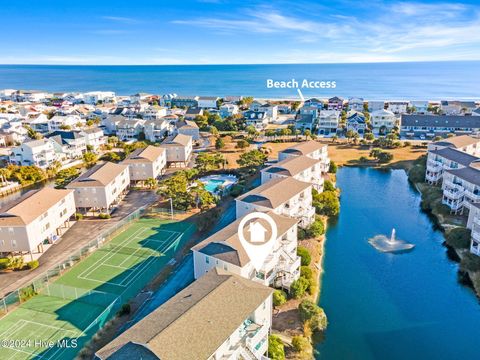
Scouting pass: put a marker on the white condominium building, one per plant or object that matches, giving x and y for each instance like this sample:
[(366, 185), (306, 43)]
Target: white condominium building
[(220, 316), (224, 249), (101, 187), (37, 216), (312, 149), (302, 168), (284, 196)]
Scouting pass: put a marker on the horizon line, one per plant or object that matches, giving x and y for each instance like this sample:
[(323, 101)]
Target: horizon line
[(250, 64)]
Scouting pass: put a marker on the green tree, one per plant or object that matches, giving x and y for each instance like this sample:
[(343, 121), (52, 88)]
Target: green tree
[(302, 345), (213, 130), (90, 159), (326, 203), (276, 349), (201, 121), (151, 183), (219, 143), (64, 177), (369, 136), (299, 287), (112, 156), (458, 238), (242, 144), (305, 256), (332, 168), (307, 133), (209, 161), (253, 158), (279, 297), (328, 186), (316, 229)]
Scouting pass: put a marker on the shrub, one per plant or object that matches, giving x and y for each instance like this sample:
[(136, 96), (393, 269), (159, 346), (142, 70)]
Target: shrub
[(32, 264), (78, 216), (363, 159), (236, 190), (470, 262), (328, 186), (326, 203), (316, 229), (276, 349), (301, 344), (313, 314), (104, 216), (124, 310), (298, 287), (27, 293), (301, 234), (4, 263), (333, 168), (305, 255), (307, 309), (15, 263), (458, 238), (306, 272), (279, 297)]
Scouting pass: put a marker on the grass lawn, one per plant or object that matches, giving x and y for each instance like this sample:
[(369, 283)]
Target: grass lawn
[(77, 304)]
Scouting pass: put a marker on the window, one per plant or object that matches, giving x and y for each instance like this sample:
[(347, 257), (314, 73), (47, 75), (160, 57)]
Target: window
[(207, 260)]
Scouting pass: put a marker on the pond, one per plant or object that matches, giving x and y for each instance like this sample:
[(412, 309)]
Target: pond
[(391, 306)]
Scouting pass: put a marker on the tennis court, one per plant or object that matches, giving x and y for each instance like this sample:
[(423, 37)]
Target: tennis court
[(79, 302)]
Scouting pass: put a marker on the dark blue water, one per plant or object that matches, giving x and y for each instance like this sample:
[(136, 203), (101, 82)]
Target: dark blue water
[(427, 80), (385, 306)]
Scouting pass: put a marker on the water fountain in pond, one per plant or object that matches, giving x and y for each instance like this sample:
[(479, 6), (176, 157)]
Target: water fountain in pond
[(390, 244)]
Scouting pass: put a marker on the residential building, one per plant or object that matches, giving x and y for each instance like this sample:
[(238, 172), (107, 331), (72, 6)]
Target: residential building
[(356, 104), (227, 110), (190, 128), (474, 226), (284, 196), (383, 121), (374, 105), (225, 250), (328, 122), (192, 113), (94, 138), (101, 187), (95, 97), (110, 123), (258, 119), (73, 143), (185, 101), (461, 187), (146, 163), (302, 168), (314, 102), (208, 102), (335, 103), (398, 107), (445, 158), (61, 122), (312, 149), (429, 126), (156, 130), (464, 143), (128, 130), (41, 153), (457, 107), (419, 107), (38, 216), (179, 149), (305, 122), (356, 122), (220, 316)]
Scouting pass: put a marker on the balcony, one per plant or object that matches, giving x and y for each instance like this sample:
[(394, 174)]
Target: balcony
[(434, 177), (434, 166), (475, 247), (474, 197)]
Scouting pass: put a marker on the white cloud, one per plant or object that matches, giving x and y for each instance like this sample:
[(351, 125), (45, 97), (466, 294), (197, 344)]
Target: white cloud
[(121, 19)]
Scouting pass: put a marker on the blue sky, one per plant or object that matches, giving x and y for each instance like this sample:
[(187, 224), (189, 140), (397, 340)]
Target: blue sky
[(233, 32)]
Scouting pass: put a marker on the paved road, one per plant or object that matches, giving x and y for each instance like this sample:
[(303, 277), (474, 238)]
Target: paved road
[(80, 234)]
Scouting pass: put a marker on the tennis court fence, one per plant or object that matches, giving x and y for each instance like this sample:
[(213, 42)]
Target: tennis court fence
[(46, 279)]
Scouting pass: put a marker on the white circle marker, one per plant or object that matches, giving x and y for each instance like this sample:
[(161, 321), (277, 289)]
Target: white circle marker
[(257, 248)]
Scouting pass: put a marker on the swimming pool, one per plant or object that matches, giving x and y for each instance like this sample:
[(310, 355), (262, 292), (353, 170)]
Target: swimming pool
[(214, 183)]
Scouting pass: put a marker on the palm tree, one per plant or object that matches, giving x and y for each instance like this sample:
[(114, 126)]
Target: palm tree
[(307, 134), (334, 138)]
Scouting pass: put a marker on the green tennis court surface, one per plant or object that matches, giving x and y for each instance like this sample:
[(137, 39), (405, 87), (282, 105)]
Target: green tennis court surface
[(57, 323)]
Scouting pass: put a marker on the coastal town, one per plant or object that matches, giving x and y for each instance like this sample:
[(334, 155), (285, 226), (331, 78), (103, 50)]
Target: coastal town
[(74, 163)]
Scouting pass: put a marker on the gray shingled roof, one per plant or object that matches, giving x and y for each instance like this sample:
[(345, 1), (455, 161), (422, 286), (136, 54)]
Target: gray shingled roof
[(455, 155), (441, 121)]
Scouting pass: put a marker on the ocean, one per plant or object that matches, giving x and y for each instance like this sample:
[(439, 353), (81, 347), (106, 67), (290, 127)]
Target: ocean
[(373, 81)]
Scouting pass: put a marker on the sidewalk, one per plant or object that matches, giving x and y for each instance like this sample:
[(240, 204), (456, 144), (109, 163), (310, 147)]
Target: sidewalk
[(80, 234)]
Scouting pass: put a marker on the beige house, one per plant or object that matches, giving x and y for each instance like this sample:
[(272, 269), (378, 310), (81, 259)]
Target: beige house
[(220, 316), (190, 128), (224, 249), (101, 187), (179, 149), (313, 149), (286, 196), (302, 168), (146, 163), (38, 216)]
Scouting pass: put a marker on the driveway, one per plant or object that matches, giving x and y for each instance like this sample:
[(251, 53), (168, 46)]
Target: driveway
[(80, 234)]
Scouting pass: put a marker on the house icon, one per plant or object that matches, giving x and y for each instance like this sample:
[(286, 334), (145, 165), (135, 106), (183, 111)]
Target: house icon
[(257, 232)]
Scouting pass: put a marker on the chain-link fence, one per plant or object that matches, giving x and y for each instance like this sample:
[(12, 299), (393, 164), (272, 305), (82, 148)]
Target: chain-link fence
[(44, 281)]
